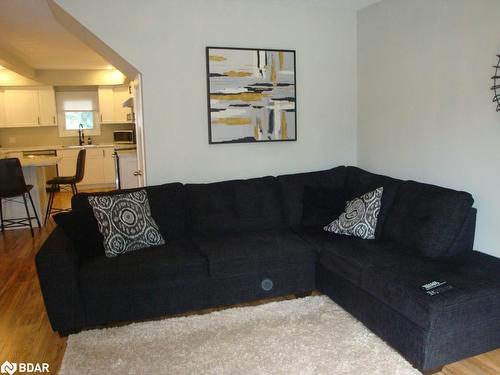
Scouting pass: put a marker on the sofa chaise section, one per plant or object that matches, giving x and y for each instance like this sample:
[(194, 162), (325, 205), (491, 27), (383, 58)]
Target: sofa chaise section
[(427, 236)]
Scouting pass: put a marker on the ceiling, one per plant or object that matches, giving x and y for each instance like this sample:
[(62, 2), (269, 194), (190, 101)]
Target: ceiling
[(32, 36), (32, 39)]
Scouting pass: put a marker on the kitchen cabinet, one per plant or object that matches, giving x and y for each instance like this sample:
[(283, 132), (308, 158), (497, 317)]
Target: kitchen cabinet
[(21, 108), (99, 165), (67, 165), (122, 114), (93, 168), (111, 105), (28, 107), (47, 107), (106, 105), (108, 165)]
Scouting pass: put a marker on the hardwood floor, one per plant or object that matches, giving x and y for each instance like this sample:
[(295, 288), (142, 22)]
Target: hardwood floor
[(25, 332)]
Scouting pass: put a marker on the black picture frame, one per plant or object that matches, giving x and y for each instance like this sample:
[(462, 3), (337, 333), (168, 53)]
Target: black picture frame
[(282, 107)]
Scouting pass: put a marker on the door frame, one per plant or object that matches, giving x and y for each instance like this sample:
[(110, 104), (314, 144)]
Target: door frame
[(139, 130)]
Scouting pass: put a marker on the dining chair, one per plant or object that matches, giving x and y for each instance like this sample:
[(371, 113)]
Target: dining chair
[(56, 182), (12, 185)]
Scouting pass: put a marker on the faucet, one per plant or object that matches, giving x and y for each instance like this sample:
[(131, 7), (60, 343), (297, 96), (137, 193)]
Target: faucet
[(81, 136)]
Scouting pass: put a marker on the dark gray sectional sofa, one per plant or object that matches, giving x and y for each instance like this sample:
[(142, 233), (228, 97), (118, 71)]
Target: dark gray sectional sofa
[(242, 240)]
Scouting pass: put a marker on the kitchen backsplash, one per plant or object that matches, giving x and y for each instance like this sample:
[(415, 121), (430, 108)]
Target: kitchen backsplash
[(47, 136)]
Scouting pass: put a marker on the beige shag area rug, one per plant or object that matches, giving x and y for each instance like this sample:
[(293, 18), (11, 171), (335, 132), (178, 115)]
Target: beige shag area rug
[(303, 336)]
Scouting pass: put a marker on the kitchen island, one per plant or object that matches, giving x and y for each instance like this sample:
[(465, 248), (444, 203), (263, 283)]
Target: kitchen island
[(100, 163), (103, 170), (34, 174)]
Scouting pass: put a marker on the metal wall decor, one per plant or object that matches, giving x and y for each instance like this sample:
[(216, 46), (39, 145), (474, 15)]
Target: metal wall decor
[(496, 84)]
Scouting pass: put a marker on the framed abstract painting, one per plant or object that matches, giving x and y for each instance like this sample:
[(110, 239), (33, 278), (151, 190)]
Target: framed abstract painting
[(251, 95)]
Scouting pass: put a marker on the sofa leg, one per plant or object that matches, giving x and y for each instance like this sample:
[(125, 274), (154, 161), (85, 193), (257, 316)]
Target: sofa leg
[(432, 371), (302, 295)]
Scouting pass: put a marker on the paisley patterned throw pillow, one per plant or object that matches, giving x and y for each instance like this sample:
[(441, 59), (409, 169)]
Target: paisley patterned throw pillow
[(360, 216), (125, 221)]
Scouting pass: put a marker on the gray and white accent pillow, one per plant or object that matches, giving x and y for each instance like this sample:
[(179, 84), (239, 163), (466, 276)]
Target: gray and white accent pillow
[(360, 216), (125, 221)]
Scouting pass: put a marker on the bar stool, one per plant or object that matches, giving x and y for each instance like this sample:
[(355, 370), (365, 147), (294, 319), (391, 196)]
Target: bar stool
[(65, 180), (12, 184)]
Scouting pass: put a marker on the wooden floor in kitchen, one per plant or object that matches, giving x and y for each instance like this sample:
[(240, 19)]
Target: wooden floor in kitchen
[(25, 332)]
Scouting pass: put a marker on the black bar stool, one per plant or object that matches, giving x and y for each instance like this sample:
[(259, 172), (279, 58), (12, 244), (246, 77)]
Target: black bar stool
[(12, 184), (65, 180)]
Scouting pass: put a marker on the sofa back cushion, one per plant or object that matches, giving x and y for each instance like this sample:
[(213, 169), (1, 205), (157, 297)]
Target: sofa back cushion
[(321, 204), (235, 206), (359, 182), (429, 219), (169, 208), (292, 189), (81, 227)]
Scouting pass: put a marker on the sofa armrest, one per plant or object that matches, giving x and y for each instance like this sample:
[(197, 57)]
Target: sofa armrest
[(58, 266)]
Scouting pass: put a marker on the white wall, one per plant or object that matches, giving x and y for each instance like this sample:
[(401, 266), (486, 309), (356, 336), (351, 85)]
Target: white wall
[(425, 108), (166, 40)]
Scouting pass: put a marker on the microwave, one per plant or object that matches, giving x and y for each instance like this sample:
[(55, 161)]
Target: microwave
[(124, 136)]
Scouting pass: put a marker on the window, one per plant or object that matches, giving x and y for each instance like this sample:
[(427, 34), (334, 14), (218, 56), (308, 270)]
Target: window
[(77, 109), (73, 120)]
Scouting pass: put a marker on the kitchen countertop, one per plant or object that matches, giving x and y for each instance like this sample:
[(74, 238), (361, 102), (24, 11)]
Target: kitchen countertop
[(40, 161), (116, 146)]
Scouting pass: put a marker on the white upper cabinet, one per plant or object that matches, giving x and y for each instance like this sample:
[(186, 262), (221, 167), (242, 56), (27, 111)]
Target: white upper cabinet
[(122, 114), (28, 107), (111, 109), (47, 106), (106, 104), (21, 108)]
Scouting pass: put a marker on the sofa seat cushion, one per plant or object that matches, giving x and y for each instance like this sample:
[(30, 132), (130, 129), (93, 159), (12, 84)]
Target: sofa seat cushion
[(350, 256), (475, 296), (177, 260), (394, 275), (255, 252)]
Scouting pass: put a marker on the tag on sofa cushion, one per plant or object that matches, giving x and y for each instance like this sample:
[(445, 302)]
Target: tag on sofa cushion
[(360, 216), (436, 287), (125, 222)]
